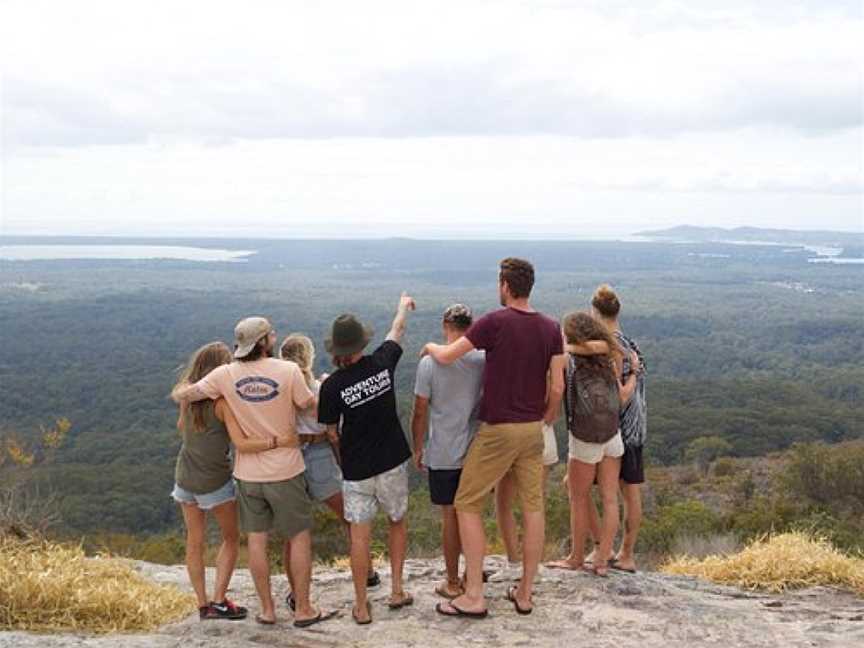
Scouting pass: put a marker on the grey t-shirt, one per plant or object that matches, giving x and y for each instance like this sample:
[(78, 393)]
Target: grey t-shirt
[(454, 393)]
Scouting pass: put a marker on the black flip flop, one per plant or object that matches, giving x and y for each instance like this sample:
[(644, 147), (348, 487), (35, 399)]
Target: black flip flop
[(262, 621), (459, 612), (305, 623), (511, 596)]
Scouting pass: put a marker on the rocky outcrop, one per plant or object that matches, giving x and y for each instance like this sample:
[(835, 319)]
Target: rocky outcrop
[(644, 610)]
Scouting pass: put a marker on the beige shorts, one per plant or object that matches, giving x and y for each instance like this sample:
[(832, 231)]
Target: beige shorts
[(550, 446), (495, 451), (593, 453)]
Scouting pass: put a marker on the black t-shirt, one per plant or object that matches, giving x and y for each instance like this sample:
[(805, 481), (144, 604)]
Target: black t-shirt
[(364, 396)]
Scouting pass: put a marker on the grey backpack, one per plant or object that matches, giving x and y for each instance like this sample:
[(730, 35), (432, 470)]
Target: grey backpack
[(591, 399)]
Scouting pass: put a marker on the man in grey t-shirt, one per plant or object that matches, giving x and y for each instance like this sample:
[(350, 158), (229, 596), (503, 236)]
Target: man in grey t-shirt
[(446, 404)]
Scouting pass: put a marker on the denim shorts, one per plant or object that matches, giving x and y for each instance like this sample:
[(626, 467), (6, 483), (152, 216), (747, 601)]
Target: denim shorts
[(323, 477), (206, 501)]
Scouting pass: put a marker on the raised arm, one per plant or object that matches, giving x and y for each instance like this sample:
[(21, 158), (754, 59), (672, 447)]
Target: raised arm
[(419, 425), (397, 329), (446, 354), (556, 388)]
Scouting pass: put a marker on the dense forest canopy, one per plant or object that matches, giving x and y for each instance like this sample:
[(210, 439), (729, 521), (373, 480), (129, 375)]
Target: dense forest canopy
[(751, 344)]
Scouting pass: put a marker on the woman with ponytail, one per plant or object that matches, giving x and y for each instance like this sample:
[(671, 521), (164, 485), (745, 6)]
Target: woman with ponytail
[(633, 423)]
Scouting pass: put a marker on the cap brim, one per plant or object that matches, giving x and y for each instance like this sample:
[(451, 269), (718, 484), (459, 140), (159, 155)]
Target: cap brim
[(246, 349), (243, 351)]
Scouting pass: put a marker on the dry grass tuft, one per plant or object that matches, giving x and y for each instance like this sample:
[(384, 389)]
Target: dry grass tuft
[(47, 587), (778, 563)]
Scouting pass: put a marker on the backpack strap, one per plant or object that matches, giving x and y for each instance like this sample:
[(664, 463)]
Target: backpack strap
[(569, 373)]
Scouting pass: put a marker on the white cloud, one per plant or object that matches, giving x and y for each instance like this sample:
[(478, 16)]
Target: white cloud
[(467, 117), (114, 73)]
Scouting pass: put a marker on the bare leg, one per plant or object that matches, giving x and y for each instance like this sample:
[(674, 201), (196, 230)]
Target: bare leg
[(286, 563), (260, 568), (452, 549), (301, 574), (505, 493), (532, 547), (336, 503), (473, 538), (581, 480), (397, 545), (593, 529), (576, 557), (226, 559), (360, 534), (632, 521), (608, 471), (195, 520)]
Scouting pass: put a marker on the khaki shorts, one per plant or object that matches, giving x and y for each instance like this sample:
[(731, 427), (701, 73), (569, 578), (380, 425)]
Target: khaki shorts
[(495, 451), (283, 506)]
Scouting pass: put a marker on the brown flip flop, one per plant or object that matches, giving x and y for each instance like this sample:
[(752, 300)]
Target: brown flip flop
[(322, 616), (407, 600), (357, 619)]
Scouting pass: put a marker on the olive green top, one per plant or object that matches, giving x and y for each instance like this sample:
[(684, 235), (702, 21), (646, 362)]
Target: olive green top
[(204, 462)]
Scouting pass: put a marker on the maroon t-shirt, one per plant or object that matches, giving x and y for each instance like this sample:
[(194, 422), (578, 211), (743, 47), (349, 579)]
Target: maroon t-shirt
[(518, 347)]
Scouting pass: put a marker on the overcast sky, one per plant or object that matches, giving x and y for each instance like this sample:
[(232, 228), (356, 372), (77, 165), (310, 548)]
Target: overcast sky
[(434, 119)]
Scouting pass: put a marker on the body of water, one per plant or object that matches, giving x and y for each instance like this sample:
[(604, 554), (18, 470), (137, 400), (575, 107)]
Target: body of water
[(119, 252)]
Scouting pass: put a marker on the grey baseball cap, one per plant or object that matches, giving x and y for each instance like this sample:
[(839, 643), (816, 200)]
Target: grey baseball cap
[(248, 332)]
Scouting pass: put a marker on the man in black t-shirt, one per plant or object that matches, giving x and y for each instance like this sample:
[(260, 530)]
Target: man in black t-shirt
[(370, 443)]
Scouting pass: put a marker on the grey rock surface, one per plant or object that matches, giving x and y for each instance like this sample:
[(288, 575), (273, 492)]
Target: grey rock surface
[(645, 610)]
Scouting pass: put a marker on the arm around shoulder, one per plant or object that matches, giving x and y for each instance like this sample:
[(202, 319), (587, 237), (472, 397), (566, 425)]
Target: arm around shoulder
[(446, 354)]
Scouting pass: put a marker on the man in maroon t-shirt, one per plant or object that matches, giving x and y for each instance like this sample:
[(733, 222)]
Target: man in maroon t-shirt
[(521, 347)]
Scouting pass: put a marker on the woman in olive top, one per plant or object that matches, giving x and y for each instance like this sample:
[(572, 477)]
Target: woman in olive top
[(203, 483)]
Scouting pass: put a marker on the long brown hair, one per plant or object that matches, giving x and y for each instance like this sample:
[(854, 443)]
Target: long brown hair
[(201, 363), (580, 327), (299, 348)]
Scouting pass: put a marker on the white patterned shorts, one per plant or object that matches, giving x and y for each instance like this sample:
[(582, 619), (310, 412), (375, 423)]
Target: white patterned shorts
[(389, 490)]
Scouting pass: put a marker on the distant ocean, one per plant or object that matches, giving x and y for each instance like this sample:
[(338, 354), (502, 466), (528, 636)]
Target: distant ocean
[(119, 252)]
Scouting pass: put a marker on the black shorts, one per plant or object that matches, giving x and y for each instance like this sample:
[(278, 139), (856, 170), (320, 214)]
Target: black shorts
[(632, 468), (443, 485)]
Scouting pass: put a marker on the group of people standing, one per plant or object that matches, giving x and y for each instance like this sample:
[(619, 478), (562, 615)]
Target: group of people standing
[(484, 403)]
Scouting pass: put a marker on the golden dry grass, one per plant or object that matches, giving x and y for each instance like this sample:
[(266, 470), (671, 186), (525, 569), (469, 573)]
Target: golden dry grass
[(47, 587), (777, 563)]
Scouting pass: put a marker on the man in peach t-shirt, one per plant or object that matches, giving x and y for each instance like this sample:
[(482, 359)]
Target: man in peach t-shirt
[(264, 394)]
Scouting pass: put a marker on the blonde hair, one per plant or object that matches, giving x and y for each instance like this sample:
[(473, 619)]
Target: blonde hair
[(299, 348), (201, 363), (606, 302)]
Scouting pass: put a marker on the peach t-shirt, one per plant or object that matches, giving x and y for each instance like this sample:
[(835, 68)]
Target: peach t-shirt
[(263, 395)]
